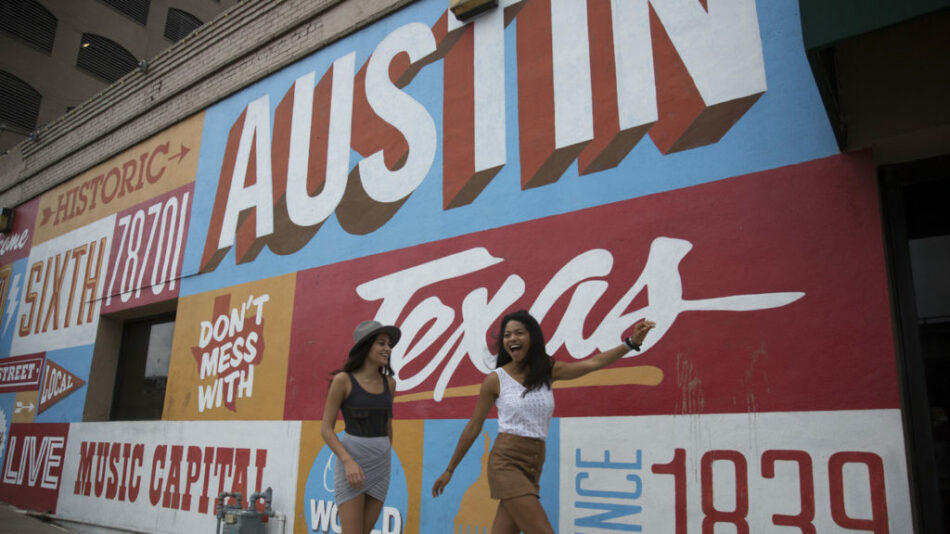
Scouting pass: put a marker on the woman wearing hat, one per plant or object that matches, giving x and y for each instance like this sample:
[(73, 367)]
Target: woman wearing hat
[(363, 390), (520, 387)]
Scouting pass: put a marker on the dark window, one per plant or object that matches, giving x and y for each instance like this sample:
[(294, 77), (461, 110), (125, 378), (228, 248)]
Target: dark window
[(29, 21), (180, 23), (918, 225), (19, 103), (137, 10), (143, 369), (104, 58)]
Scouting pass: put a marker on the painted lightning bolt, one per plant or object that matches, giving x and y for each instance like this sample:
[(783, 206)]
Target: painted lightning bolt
[(13, 300)]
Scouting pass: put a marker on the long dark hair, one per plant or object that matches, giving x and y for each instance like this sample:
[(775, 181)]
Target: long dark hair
[(356, 358), (537, 362)]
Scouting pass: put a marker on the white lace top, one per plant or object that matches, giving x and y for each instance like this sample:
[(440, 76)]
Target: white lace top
[(527, 416)]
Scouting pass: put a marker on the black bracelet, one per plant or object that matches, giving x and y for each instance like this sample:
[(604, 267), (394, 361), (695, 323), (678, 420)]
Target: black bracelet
[(631, 345)]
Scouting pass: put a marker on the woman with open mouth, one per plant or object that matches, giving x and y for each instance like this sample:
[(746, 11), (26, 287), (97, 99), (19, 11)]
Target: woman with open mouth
[(520, 386)]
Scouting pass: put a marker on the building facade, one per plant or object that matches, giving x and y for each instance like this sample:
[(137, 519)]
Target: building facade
[(191, 250), (56, 55)]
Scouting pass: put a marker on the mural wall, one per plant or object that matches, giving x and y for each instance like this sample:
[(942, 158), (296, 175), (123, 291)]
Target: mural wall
[(595, 163)]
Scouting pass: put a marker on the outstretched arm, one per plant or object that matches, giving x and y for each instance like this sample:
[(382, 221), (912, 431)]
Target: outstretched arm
[(486, 399), (571, 370)]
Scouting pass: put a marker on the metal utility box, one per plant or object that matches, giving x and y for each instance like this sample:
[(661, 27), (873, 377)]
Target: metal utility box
[(234, 519)]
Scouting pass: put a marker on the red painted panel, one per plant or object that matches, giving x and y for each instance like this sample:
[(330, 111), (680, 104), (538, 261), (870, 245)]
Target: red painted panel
[(16, 243), (805, 238), (21, 373), (148, 248), (33, 465)]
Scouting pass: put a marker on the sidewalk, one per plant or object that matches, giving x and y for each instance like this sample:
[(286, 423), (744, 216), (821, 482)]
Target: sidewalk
[(16, 521)]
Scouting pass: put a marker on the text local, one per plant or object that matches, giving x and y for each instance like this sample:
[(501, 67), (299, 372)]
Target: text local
[(565, 112), (56, 383)]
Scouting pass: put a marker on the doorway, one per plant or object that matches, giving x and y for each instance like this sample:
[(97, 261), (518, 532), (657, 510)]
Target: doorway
[(917, 212), (142, 370)]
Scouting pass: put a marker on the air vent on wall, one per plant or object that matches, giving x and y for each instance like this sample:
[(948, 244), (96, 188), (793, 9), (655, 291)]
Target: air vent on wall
[(180, 23), (29, 21), (104, 57), (137, 10), (19, 103)]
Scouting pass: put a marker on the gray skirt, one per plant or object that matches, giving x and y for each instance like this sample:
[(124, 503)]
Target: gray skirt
[(374, 458)]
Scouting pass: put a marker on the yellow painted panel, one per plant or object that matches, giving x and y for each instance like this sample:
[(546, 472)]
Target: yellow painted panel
[(164, 162), (229, 355)]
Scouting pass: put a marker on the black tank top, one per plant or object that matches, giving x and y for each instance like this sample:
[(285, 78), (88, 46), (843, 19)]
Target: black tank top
[(367, 414)]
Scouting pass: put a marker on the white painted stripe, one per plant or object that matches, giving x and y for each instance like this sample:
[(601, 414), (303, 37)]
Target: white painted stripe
[(633, 56), (573, 100), (489, 90)]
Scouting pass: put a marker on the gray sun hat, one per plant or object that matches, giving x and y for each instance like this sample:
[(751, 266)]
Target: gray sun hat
[(367, 330)]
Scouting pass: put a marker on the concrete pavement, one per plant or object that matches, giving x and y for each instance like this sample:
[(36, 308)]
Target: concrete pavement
[(16, 521)]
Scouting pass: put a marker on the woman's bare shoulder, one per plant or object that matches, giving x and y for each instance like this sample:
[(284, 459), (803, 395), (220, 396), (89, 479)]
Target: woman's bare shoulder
[(491, 383), (341, 381), (341, 376)]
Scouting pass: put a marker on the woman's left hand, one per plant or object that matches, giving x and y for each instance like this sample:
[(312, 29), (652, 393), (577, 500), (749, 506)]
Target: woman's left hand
[(441, 482), (640, 331)]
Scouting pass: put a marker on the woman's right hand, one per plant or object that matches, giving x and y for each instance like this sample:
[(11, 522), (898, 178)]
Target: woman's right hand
[(441, 483), (354, 473)]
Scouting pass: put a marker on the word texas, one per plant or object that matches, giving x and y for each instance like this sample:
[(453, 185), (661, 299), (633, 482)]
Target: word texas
[(592, 79), (425, 324)]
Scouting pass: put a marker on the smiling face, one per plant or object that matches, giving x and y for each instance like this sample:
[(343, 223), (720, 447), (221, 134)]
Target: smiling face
[(379, 351), (516, 339)]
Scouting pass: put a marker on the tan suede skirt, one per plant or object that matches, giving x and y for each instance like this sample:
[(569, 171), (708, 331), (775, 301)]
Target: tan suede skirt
[(514, 466)]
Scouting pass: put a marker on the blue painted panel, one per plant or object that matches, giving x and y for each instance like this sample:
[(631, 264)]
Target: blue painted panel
[(69, 409), (787, 125)]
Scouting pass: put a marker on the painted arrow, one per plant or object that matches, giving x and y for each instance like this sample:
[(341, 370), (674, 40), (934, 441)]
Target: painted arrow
[(181, 154)]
